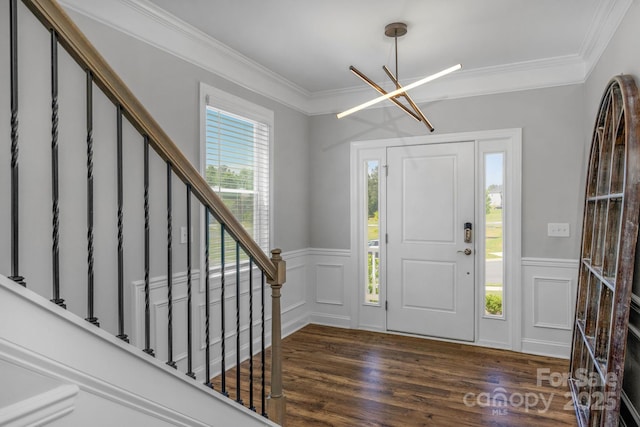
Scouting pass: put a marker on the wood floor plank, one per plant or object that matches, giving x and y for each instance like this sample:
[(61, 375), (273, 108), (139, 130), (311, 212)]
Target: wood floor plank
[(340, 377)]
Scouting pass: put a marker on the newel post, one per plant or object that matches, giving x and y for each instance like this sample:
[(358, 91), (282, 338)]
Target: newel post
[(277, 400)]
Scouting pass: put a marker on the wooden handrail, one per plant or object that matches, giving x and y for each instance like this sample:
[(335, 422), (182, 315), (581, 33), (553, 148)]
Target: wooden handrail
[(52, 16)]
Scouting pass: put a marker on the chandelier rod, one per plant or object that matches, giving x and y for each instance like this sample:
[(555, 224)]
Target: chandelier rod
[(397, 75)]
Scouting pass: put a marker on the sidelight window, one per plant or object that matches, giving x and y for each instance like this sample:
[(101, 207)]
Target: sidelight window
[(372, 232), (494, 234)]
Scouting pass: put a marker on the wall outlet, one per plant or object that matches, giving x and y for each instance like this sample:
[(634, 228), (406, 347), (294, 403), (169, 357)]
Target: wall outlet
[(558, 229), (183, 235)]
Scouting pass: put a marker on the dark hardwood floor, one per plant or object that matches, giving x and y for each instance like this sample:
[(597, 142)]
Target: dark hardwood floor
[(340, 377)]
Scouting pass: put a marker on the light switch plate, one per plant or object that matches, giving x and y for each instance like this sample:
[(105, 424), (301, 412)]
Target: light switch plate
[(183, 235), (558, 229)]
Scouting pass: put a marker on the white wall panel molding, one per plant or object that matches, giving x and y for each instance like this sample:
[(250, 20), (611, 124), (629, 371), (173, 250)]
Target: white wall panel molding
[(548, 302), (158, 302), (552, 303), (341, 253), (298, 253), (143, 20), (294, 290), (330, 284), (295, 314), (42, 408), (550, 262), (295, 304)]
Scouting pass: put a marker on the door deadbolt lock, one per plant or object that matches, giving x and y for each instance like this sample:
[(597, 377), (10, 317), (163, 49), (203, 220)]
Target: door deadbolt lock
[(468, 232), (466, 251)]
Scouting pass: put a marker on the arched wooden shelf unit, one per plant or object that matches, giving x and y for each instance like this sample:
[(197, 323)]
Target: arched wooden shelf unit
[(608, 253)]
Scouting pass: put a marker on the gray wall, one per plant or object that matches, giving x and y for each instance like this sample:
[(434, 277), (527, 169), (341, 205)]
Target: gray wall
[(552, 151), (169, 88), (311, 179)]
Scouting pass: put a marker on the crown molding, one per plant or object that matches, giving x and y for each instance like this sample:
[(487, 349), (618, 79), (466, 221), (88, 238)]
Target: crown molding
[(514, 77), (605, 23), (144, 21)]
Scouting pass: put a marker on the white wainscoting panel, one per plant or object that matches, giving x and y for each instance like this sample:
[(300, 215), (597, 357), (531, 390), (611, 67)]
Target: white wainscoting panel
[(295, 313), (295, 307), (552, 303), (158, 310), (330, 287), (330, 284), (548, 304)]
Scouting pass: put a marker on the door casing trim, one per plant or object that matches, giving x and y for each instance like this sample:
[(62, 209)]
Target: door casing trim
[(512, 323)]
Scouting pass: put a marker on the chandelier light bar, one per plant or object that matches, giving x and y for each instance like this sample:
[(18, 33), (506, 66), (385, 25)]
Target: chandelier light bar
[(383, 92), (400, 91), (395, 30), (409, 100)]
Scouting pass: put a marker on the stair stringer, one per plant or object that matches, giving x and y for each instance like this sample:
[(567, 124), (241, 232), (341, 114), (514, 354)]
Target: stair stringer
[(118, 383)]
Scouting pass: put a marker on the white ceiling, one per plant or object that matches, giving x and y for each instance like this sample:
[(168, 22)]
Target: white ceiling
[(312, 43), (299, 51)]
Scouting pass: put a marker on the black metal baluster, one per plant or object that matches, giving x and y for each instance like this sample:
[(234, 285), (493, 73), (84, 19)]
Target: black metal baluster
[(55, 195), (207, 301), (170, 362), (264, 396), (147, 252), (189, 338), (91, 318), (238, 399), (15, 246), (251, 405), (121, 333), (222, 336)]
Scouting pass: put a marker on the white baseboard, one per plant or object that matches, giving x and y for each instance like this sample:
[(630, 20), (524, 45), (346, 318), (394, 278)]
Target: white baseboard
[(294, 325), (371, 328), (493, 344), (546, 348), (330, 320)]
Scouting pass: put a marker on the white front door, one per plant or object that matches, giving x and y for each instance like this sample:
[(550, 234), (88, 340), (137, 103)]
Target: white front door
[(430, 278)]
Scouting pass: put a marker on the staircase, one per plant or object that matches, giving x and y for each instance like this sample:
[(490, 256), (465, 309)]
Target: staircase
[(104, 312)]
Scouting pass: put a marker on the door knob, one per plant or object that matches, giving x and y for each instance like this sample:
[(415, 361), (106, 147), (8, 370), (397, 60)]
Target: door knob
[(466, 251)]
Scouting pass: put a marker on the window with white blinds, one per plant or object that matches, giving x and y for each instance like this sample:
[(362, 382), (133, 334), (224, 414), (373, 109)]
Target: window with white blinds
[(237, 140)]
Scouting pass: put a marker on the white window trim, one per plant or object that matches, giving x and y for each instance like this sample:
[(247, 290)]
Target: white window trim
[(217, 98)]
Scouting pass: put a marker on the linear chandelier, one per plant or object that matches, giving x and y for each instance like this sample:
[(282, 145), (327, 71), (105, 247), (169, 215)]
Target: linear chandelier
[(395, 30)]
